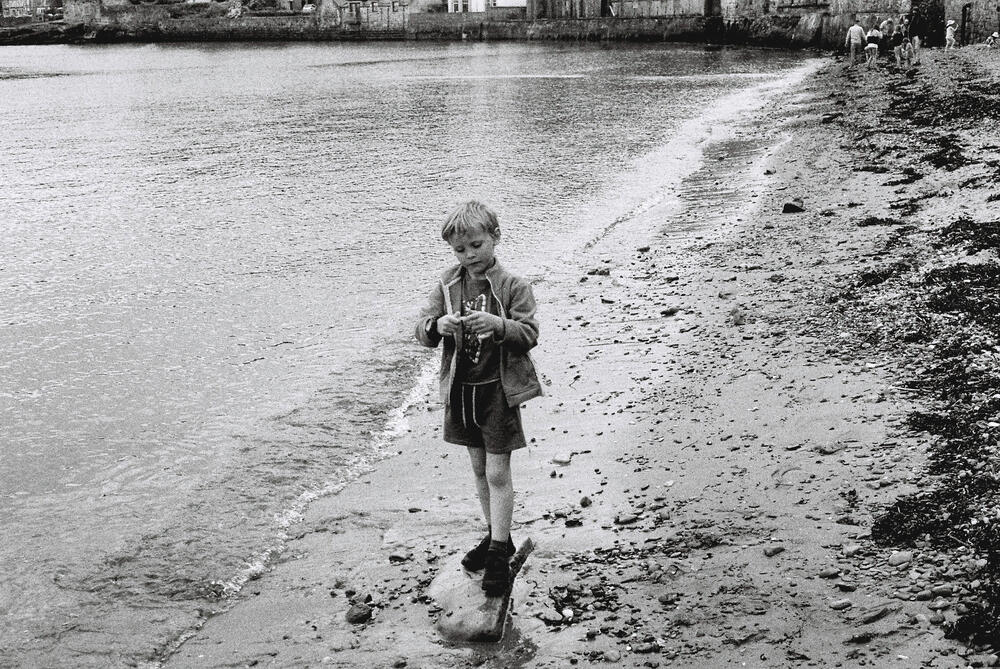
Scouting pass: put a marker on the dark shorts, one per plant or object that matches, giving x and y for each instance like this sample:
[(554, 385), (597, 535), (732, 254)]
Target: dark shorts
[(478, 416)]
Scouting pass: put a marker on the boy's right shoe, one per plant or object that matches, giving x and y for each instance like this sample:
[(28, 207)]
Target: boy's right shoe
[(475, 559)]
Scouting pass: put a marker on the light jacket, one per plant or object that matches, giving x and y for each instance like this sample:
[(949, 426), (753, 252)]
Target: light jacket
[(517, 309)]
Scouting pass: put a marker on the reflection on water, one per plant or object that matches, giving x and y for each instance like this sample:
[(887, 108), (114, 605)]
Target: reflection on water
[(212, 257)]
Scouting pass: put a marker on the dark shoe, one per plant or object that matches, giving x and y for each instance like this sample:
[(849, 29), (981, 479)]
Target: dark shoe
[(496, 578), (475, 559)]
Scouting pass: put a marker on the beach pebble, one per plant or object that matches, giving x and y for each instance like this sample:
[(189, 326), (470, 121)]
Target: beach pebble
[(550, 616), (840, 604), (846, 586), (829, 572), (625, 518), (562, 459), (612, 655), (585, 501), (851, 550), (651, 647), (771, 551), (875, 614), (793, 206), (942, 590), (359, 613), (399, 663), (939, 604), (899, 558), (397, 557)]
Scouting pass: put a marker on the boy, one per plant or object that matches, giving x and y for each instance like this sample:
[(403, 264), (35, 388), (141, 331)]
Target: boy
[(486, 318), (855, 42)]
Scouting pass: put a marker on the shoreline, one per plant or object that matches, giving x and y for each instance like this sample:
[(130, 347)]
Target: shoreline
[(736, 435)]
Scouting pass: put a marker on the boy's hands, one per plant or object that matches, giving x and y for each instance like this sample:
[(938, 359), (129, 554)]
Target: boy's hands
[(482, 322), (449, 324)]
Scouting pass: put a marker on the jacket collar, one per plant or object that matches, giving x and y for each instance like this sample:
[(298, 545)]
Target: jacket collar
[(458, 271)]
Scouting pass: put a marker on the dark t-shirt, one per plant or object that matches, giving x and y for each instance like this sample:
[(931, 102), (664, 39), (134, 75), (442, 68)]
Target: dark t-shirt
[(896, 39), (479, 360)]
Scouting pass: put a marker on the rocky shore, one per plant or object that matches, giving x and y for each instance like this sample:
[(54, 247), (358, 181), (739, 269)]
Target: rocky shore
[(770, 432)]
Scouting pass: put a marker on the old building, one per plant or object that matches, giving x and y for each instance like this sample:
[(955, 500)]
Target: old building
[(974, 19), (34, 10)]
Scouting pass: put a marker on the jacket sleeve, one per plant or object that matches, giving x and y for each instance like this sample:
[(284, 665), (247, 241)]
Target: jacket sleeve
[(426, 331), (520, 326)]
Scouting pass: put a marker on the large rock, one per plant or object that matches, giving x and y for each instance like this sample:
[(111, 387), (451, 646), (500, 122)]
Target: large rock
[(467, 613)]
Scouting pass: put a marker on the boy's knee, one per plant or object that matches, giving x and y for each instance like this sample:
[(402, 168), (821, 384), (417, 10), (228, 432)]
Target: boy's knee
[(498, 476)]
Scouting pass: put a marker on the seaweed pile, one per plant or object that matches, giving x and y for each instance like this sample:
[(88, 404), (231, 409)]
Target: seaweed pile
[(937, 313)]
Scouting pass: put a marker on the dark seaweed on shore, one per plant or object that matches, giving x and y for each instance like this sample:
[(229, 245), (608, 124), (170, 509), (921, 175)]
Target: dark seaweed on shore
[(972, 235), (943, 327)]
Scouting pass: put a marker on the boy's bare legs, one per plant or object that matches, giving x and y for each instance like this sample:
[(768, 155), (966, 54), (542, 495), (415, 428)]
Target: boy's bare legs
[(478, 458), (500, 495)]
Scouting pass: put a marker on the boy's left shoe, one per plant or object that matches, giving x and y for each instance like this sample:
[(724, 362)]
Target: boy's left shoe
[(496, 577)]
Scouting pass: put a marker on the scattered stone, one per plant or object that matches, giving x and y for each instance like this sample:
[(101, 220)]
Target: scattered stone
[(875, 614), (942, 591), (626, 519), (841, 604), (550, 616), (585, 501), (851, 550), (771, 551), (397, 557), (829, 572), (612, 655), (651, 647), (939, 604), (359, 613), (562, 459), (793, 206), (899, 558), (846, 586)]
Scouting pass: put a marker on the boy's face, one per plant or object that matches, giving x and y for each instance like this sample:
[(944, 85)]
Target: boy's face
[(474, 250)]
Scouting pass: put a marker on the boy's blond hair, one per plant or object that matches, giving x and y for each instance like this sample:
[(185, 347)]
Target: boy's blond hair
[(469, 217)]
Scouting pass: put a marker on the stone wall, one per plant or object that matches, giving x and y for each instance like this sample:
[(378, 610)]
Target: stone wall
[(759, 22), (976, 22)]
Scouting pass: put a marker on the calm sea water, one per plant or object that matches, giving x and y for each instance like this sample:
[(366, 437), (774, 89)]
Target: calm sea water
[(211, 260)]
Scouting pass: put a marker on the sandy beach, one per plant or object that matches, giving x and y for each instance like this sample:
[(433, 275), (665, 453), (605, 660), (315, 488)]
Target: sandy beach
[(727, 418)]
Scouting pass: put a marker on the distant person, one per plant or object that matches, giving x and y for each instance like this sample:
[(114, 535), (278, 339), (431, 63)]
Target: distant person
[(855, 42), (896, 42), (909, 53), (993, 41), (486, 318), (915, 43), (871, 49), (886, 28), (949, 36)]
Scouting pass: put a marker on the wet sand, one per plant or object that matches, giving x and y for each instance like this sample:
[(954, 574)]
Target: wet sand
[(717, 439)]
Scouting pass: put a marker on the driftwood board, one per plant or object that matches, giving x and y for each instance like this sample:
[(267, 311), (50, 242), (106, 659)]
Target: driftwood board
[(467, 613)]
